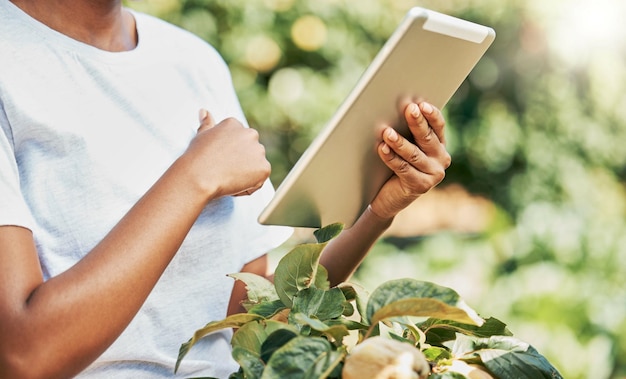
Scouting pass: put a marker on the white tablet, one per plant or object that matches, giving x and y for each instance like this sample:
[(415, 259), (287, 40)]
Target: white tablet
[(427, 57)]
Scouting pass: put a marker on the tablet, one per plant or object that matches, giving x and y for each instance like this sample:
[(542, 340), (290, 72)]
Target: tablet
[(427, 57)]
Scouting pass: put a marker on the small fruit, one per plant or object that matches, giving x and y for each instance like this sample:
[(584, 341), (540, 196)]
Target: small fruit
[(384, 358)]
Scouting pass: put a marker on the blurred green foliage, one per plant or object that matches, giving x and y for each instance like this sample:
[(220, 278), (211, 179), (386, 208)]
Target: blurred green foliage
[(538, 128)]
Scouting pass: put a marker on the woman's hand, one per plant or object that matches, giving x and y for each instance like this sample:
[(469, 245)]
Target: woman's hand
[(417, 166), (226, 158)]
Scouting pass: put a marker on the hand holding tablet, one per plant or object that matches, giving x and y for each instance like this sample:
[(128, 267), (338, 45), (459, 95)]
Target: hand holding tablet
[(419, 163), (425, 59)]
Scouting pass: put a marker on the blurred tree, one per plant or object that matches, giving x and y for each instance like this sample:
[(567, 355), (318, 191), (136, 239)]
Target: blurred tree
[(537, 129)]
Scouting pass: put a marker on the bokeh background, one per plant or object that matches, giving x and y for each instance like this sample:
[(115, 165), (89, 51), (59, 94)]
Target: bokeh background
[(529, 225)]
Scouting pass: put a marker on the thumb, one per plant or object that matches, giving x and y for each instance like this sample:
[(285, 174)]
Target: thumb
[(206, 120)]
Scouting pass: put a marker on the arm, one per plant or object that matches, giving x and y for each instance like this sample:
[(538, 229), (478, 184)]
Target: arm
[(56, 328), (417, 168)]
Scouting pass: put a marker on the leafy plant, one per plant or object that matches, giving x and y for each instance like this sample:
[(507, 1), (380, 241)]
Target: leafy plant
[(301, 327)]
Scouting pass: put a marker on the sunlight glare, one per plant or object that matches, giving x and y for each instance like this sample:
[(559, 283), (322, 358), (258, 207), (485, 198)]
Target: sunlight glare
[(583, 28)]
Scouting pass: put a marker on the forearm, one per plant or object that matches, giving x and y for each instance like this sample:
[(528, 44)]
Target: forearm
[(68, 321), (344, 253)]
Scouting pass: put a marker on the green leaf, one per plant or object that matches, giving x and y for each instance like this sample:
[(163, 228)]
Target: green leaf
[(321, 278), (329, 366), (232, 321), (322, 304), (236, 375), (250, 363), (296, 271), (267, 309), (251, 336), (328, 232), (302, 357), (335, 332), (399, 338), (435, 354), (448, 375), (462, 346), (508, 357), (250, 345), (421, 307), (359, 295), (349, 324), (275, 341), (259, 289), (409, 297), (314, 323), (439, 331), (348, 309), (410, 331)]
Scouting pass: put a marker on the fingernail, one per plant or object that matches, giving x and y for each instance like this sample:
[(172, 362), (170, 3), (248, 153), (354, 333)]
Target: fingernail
[(392, 135), (203, 114), (414, 110), (427, 108), (385, 149)]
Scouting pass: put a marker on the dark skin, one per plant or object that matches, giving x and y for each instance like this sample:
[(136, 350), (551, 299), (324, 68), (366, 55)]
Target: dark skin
[(56, 328)]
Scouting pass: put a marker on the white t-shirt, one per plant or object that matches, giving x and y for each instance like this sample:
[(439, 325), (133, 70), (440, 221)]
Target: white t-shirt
[(84, 134)]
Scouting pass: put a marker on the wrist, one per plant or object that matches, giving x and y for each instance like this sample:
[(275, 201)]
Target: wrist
[(184, 173), (382, 221), (380, 212)]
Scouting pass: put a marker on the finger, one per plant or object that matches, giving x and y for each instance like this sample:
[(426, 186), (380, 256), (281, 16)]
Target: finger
[(247, 192), (202, 114), (401, 155), (417, 179), (424, 136), (206, 120), (435, 119), (244, 193)]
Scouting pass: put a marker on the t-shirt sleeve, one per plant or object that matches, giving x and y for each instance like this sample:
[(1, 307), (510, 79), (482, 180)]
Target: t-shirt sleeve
[(13, 208)]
